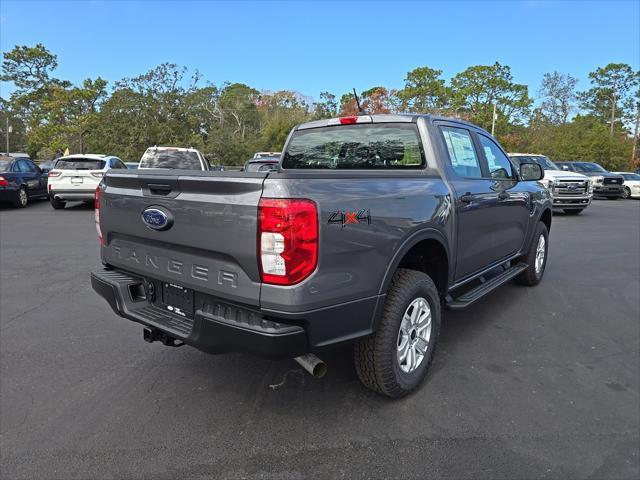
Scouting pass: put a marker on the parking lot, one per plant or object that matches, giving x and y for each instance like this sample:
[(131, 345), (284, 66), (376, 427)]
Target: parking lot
[(531, 382)]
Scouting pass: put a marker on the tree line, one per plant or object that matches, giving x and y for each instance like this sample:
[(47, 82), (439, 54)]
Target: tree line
[(170, 105)]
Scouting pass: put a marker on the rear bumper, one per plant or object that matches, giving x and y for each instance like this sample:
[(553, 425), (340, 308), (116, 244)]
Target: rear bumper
[(8, 194), (219, 326), (73, 195)]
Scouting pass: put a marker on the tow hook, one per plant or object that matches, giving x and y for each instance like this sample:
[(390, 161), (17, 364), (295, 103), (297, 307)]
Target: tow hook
[(151, 335)]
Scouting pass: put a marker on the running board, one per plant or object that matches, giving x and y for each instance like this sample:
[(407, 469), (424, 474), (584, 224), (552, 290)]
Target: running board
[(484, 288)]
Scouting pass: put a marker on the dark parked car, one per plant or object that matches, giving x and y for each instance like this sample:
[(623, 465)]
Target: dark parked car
[(605, 184), (21, 180), (261, 164), (370, 225)]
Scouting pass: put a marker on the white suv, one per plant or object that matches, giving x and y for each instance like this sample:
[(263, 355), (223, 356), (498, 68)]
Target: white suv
[(76, 177), (173, 158)]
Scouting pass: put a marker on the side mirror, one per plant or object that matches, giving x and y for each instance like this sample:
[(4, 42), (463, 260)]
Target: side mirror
[(564, 167), (531, 172), (45, 170)]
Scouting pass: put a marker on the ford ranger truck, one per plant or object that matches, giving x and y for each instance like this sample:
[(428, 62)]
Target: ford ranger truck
[(369, 226)]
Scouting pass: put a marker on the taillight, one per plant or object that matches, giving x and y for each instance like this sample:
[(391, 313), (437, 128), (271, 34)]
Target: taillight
[(3, 181), (287, 240), (349, 120), (96, 214), (54, 173), (97, 174)]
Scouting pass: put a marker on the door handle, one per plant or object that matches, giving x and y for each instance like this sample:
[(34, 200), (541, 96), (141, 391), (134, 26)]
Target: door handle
[(503, 195), (466, 198)]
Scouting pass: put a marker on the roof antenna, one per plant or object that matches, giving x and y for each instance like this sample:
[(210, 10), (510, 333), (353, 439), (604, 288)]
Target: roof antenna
[(360, 110)]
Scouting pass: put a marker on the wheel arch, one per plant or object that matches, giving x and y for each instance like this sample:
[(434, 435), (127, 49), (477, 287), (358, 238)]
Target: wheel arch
[(427, 251), (545, 217)]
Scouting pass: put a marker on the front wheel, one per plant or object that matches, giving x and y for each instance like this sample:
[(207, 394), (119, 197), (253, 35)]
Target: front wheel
[(574, 212), (536, 258), (395, 360), (626, 193)]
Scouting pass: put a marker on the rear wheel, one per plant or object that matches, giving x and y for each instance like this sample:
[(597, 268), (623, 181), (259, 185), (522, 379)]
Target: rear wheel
[(574, 212), (536, 258), (22, 198), (626, 193), (396, 359), (57, 204)]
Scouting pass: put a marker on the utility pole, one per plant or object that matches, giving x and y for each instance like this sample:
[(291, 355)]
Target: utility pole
[(7, 132), (493, 122), (635, 137)]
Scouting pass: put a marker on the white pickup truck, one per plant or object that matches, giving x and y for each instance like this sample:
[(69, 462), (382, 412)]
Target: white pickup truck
[(570, 191)]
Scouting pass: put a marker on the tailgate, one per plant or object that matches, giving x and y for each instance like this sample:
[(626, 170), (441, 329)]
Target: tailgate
[(209, 242)]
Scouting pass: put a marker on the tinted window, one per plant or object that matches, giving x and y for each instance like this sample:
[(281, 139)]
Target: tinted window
[(588, 167), (116, 163), (32, 166), (375, 146), (499, 165), (24, 167), (631, 176), (541, 160), (79, 164), (170, 159), (462, 155)]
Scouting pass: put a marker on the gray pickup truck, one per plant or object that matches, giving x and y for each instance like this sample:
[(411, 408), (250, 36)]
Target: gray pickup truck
[(370, 225)]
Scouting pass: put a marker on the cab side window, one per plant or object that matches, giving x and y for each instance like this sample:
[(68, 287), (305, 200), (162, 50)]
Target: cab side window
[(500, 167), (462, 154)]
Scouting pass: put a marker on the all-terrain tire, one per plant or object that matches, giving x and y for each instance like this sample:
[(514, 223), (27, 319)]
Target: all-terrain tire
[(376, 357), (532, 276)]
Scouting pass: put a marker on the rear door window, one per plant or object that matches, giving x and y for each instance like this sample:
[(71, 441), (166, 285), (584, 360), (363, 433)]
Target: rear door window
[(363, 146), (462, 154), (173, 159), (80, 164)]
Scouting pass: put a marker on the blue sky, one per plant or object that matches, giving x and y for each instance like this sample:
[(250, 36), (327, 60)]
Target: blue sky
[(311, 47)]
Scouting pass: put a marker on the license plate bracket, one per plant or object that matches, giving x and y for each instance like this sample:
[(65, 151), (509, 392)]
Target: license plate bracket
[(178, 300)]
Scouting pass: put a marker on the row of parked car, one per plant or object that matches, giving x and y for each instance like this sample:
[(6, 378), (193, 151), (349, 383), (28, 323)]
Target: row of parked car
[(572, 185)]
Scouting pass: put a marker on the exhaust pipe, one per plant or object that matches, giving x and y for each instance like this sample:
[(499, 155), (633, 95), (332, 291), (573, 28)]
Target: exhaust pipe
[(312, 364)]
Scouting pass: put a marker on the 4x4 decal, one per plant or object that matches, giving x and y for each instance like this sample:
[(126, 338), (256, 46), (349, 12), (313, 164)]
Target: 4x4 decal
[(344, 218)]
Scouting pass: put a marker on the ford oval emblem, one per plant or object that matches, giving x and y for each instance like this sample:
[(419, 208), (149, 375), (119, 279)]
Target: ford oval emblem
[(156, 219)]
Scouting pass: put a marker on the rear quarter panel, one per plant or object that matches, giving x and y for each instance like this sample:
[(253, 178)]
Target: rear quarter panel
[(354, 256)]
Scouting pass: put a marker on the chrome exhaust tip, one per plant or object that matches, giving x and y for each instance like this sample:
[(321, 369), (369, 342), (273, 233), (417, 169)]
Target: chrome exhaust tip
[(312, 364)]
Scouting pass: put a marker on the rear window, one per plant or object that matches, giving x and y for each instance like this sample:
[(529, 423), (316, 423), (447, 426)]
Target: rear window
[(4, 165), (80, 164), (364, 146), (174, 159)]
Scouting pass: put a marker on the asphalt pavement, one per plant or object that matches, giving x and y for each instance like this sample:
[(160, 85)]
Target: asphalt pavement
[(536, 382)]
